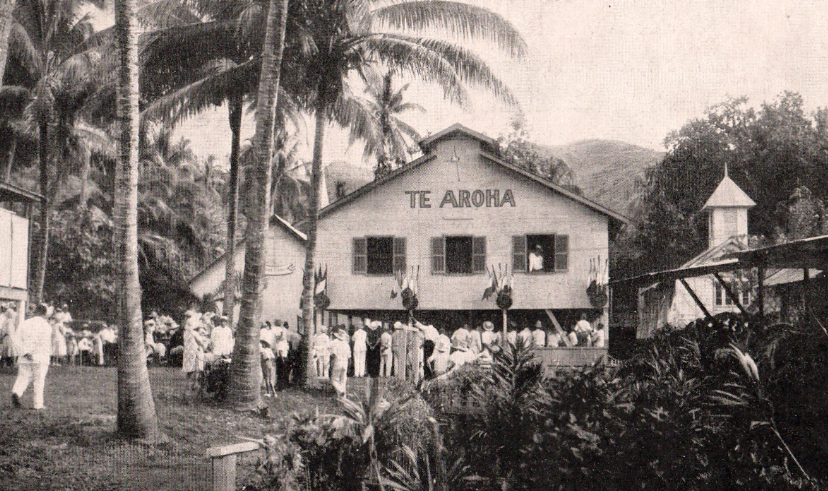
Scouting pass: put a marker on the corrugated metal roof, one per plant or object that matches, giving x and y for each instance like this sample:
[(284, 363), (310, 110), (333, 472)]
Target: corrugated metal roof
[(790, 275), (728, 195)]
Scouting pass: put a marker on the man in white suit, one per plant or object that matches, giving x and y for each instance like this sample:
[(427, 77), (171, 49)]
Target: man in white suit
[(33, 364)]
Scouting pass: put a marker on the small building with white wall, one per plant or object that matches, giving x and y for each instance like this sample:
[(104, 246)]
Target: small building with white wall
[(283, 274), (672, 303)]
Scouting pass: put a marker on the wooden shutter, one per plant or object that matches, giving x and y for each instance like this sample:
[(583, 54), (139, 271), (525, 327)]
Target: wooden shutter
[(519, 253), (478, 254), (561, 252), (438, 255), (360, 255), (399, 254)]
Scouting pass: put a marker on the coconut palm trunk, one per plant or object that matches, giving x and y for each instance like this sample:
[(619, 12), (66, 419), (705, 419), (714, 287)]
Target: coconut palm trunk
[(235, 106), (86, 168), (136, 408), (6, 23), (9, 161), (43, 233), (245, 370), (308, 280)]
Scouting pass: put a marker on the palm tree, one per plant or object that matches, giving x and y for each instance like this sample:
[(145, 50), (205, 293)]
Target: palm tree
[(395, 137), (349, 36), (244, 374), (54, 61), (136, 408), (6, 23)]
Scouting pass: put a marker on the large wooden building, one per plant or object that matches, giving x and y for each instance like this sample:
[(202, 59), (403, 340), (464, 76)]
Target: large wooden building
[(448, 219)]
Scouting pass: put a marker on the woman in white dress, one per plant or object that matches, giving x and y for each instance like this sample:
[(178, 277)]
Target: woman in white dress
[(9, 336), (58, 339), (194, 344)]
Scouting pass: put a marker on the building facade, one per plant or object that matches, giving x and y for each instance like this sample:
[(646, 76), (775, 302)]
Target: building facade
[(447, 221)]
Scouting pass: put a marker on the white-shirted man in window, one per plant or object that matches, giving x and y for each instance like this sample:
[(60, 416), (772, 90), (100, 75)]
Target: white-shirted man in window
[(536, 258)]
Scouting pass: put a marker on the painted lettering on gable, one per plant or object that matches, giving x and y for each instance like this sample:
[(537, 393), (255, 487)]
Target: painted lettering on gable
[(464, 198)]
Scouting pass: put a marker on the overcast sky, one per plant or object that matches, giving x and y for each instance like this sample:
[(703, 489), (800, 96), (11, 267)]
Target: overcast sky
[(631, 70)]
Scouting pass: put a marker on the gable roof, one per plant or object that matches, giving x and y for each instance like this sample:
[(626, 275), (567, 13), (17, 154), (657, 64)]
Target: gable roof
[(728, 195), (428, 144), (718, 253), (275, 219)]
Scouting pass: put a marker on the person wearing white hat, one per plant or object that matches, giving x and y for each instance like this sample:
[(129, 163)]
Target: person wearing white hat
[(386, 355), (340, 356), (9, 335), (360, 347), (440, 361), (476, 340), (58, 335), (461, 335), (157, 350), (372, 356), (194, 343), (539, 335), (221, 338), (443, 341), (488, 337), (321, 352), (85, 347), (35, 349), (461, 354)]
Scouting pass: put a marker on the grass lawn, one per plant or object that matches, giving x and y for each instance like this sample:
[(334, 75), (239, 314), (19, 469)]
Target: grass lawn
[(71, 445)]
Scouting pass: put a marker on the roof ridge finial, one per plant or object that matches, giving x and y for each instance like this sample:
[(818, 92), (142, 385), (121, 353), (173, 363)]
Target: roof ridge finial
[(725, 169)]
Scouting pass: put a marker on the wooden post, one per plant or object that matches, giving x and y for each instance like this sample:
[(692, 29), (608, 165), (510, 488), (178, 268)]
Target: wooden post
[(761, 292), (696, 298), (223, 464), (558, 328), (505, 324)]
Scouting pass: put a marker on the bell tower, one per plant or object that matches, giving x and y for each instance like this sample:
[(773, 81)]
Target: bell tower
[(727, 212)]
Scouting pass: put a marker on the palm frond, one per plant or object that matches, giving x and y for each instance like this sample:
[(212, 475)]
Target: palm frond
[(355, 115), (161, 14), (13, 101), (23, 49), (470, 67), (194, 98), (409, 57), (455, 18)]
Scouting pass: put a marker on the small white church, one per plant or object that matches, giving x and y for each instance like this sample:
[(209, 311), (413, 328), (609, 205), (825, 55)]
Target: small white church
[(671, 304)]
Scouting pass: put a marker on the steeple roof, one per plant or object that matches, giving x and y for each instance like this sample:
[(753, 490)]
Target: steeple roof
[(728, 195)]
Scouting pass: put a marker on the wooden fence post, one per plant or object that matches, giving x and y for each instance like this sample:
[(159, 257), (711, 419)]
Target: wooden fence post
[(223, 464)]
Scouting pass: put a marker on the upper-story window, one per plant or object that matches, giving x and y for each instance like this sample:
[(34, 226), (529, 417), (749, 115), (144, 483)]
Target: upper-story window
[(458, 254), (540, 253), (380, 256)]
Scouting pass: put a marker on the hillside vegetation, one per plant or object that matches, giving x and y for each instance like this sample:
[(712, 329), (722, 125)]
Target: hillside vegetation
[(607, 171)]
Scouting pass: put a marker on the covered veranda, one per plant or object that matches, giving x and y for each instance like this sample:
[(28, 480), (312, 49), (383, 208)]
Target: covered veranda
[(807, 255)]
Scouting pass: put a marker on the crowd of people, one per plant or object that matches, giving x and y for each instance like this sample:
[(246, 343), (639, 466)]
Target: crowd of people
[(380, 349), (69, 343), (367, 348)]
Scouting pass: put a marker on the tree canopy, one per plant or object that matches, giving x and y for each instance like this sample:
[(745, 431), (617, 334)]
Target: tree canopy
[(778, 154)]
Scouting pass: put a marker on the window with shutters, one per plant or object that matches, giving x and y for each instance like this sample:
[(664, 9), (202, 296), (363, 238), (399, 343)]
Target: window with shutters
[(379, 256), (540, 253), (459, 255)]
